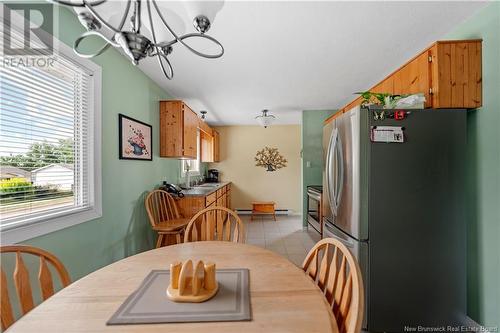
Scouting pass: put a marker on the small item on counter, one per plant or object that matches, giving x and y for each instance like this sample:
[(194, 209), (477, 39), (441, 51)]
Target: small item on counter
[(173, 189)]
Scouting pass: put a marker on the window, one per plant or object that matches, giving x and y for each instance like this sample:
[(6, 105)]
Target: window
[(49, 152), (193, 165)]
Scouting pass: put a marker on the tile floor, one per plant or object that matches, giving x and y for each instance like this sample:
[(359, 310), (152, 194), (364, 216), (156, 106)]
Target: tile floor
[(285, 236)]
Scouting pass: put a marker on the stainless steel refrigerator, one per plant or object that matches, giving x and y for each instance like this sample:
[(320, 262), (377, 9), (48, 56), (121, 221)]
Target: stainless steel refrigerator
[(397, 202)]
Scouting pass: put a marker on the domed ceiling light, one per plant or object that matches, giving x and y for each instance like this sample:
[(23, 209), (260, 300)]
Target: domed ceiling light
[(265, 119), (134, 43)]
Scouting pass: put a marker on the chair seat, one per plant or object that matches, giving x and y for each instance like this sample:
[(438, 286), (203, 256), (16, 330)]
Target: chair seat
[(171, 225)]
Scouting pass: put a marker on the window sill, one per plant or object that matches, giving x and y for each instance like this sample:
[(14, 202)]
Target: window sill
[(40, 228)]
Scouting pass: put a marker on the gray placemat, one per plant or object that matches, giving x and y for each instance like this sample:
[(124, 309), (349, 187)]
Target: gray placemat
[(149, 303)]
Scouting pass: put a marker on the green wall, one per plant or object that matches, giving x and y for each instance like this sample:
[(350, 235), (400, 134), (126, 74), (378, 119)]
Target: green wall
[(483, 164), (123, 229), (312, 151)]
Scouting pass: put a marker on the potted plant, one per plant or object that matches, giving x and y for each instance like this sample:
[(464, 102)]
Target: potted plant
[(379, 101)]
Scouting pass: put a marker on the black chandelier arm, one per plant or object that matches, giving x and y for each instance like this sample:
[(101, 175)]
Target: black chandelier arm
[(159, 51), (181, 39), (72, 4)]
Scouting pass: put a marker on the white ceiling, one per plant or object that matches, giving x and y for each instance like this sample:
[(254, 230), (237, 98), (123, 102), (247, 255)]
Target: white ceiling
[(289, 56)]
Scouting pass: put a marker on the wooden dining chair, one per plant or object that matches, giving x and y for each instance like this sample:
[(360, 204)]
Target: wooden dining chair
[(215, 224), (164, 216), (336, 272), (22, 282)]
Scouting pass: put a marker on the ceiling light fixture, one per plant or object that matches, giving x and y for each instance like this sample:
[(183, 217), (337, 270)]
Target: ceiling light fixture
[(134, 43), (265, 119), (203, 114)]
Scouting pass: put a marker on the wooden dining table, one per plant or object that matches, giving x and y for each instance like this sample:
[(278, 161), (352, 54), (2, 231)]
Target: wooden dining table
[(282, 297)]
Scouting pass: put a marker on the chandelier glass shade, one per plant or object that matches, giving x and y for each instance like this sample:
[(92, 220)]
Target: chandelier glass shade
[(265, 119), (136, 42)]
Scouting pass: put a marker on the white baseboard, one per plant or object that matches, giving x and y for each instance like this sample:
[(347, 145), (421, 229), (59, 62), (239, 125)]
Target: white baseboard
[(241, 211)]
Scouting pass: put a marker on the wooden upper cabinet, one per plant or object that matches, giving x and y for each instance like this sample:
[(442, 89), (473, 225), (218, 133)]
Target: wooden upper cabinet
[(414, 77), (178, 130), (448, 73), (179, 127), (206, 147), (190, 133), (216, 146), (209, 144), (457, 74)]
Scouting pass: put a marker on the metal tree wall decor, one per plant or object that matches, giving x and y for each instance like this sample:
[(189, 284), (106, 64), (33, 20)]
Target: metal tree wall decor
[(270, 158)]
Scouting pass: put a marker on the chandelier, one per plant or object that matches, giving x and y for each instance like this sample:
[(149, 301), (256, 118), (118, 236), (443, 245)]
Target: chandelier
[(265, 119), (135, 44)]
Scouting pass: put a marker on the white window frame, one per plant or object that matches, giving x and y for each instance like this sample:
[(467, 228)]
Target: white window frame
[(198, 158), (35, 227)]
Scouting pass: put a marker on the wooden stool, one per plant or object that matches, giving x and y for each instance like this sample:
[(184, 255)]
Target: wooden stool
[(263, 207)]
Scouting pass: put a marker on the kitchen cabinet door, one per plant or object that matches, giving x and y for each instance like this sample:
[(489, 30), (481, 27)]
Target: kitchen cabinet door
[(206, 146), (190, 133), (190, 205), (178, 130), (216, 146), (171, 129), (415, 77), (457, 74)]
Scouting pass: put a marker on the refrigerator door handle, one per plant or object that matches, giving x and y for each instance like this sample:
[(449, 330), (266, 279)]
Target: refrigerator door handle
[(330, 188), (340, 179)]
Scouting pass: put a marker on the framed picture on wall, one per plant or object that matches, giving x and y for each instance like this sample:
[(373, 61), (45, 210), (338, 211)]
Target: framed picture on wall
[(135, 139)]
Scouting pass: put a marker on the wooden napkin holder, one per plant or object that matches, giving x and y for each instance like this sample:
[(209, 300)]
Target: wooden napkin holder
[(192, 284)]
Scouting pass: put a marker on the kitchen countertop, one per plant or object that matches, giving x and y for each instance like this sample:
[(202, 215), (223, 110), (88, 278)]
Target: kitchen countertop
[(204, 190)]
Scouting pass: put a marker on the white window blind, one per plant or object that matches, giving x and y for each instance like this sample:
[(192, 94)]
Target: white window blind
[(45, 140)]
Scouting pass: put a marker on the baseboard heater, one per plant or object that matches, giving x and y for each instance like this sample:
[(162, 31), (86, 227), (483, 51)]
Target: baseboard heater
[(278, 211)]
